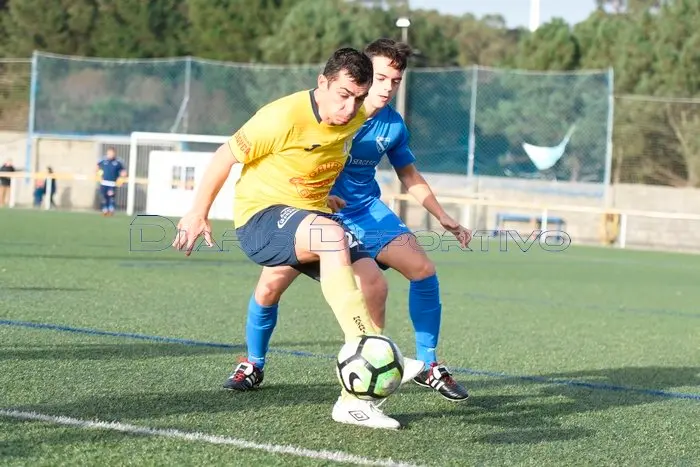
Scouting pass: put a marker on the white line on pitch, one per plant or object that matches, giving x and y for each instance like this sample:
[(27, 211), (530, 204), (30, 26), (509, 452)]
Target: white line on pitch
[(336, 456)]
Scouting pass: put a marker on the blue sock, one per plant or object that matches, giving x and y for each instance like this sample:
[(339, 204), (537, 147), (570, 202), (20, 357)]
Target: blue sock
[(258, 330), (426, 311)]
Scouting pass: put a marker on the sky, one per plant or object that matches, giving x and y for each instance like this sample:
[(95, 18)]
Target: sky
[(516, 12)]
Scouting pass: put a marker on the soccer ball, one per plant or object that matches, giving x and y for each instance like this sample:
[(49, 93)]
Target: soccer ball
[(370, 367)]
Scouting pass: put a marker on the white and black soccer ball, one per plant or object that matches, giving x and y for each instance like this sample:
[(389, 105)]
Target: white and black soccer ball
[(370, 367)]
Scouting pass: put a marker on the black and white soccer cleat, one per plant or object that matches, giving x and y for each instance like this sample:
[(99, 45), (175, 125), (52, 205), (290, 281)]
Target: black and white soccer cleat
[(440, 379), (245, 376)]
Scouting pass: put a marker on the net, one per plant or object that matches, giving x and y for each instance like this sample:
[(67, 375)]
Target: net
[(15, 78), (507, 124)]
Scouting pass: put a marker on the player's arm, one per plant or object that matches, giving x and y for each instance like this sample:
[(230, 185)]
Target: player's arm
[(418, 187), (122, 175), (213, 179)]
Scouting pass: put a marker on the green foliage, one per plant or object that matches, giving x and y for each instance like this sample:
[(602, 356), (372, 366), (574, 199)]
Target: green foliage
[(134, 28), (484, 42), (652, 45), (312, 30), (552, 47), (232, 29), (60, 26)]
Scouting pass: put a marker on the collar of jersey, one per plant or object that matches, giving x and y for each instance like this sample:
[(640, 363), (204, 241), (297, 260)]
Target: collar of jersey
[(314, 106)]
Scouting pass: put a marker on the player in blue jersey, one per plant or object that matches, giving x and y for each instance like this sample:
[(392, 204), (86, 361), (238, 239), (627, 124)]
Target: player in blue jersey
[(356, 200), (111, 172)]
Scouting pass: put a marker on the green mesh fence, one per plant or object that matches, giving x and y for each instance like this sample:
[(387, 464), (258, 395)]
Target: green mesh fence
[(15, 79), (438, 106), (547, 126), (96, 96), (657, 141), (552, 126), (222, 96)]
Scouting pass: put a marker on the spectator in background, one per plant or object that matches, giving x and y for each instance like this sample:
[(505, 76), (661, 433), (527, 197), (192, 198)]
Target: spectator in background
[(111, 172), (5, 183), (40, 189)]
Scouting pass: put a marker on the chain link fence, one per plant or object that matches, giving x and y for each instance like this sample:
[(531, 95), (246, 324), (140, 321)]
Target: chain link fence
[(553, 126), (463, 121), (15, 78), (657, 141)]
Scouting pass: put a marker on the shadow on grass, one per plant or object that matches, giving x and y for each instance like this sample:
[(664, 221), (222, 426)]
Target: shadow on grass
[(40, 440), (147, 405), (536, 414)]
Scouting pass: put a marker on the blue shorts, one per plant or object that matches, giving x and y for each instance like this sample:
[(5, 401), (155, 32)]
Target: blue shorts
[(105, 190), (268, 239), (374, 225)]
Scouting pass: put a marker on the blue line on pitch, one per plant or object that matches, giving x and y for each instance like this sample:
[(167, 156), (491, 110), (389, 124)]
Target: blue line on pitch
[(296, 353)]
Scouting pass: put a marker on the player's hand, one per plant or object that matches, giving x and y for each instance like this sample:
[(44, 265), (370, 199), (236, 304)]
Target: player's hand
[(336, 204), (463, 234), (190, 227)]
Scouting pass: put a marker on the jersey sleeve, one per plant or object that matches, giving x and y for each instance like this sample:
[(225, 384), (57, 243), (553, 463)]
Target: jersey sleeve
[(400, 154), (264, 133)]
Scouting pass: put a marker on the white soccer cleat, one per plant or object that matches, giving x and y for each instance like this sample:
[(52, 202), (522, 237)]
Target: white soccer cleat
[(411, 369), (353, 411)]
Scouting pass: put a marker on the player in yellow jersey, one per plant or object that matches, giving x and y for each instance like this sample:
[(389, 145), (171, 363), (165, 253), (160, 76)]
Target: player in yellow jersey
[(293, 150)]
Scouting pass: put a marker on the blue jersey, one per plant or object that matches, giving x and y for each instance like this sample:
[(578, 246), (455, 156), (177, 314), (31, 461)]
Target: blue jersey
[(110, 171), (385, 133)]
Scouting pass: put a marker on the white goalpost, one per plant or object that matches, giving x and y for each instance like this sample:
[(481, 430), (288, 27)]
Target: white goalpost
[(170, 172)]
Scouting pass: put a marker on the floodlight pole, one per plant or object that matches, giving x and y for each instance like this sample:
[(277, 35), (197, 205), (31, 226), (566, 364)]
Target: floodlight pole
[(402, 23), (534, 15)]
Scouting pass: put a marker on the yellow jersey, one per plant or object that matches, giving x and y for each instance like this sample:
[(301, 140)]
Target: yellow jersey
[(290, 156)]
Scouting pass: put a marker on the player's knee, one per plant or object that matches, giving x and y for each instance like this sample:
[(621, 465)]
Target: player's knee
[(268, 293), (373, 284), (422, 269), (379, 289)]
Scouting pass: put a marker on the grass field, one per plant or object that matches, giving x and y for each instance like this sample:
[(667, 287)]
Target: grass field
[(583, 357)]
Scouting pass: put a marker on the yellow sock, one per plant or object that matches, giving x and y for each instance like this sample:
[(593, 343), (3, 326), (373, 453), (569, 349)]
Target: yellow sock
[(346, 300)]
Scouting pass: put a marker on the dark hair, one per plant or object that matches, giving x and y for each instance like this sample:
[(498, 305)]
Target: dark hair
[(397, 52), (356, 64)]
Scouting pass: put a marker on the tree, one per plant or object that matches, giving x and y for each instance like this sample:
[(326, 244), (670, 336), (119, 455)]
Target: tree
[(629, 6), (60, 26), (233, 29), (312, 30), (431, 34), (552, 46), (155, 28), (485, 42)]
